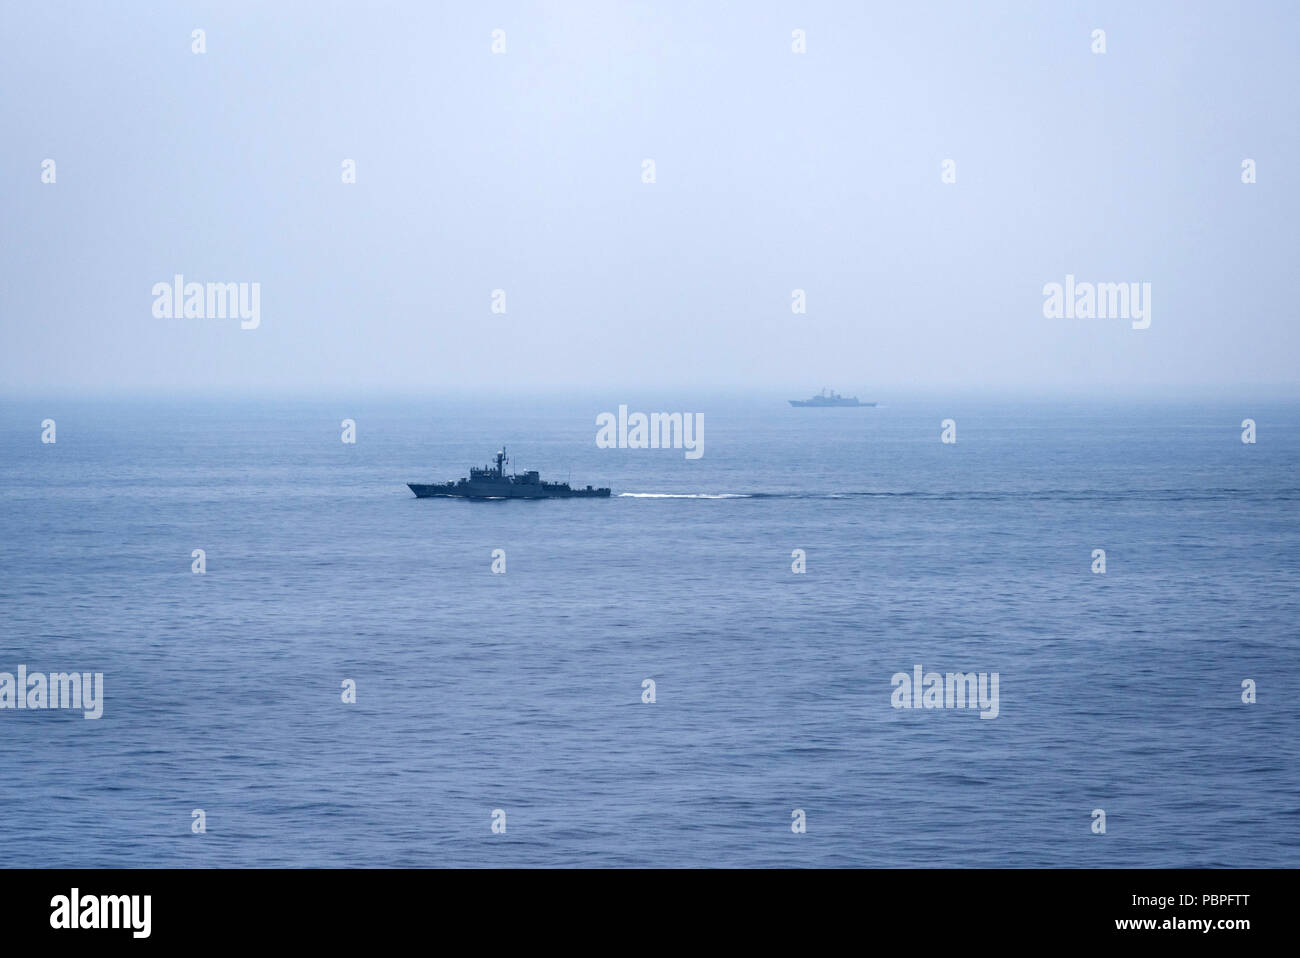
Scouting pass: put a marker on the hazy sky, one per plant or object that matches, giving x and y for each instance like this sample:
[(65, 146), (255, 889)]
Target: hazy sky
[(522, 171)]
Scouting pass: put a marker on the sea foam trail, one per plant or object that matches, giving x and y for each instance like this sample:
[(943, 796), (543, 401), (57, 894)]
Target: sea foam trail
[(995, 495), (684, 495)]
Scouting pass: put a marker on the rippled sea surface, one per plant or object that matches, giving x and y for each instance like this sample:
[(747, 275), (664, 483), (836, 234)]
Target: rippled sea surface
[(523, 691)]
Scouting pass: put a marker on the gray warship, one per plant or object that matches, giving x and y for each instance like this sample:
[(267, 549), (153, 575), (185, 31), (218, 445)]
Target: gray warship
[(491, 482), (829, 397)]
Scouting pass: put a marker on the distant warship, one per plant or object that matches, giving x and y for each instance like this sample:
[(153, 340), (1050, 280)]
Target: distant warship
[(491, 482), (830, 398)]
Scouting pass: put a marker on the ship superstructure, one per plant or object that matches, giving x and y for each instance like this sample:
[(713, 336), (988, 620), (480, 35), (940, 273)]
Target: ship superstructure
[(829, 397)]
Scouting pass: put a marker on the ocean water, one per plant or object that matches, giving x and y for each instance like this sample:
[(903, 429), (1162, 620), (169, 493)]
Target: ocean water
[(522, 692)]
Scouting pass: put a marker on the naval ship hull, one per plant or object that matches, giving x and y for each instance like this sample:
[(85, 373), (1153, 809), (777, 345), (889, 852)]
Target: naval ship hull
[(473, 490), (837, 404), (492, 482)]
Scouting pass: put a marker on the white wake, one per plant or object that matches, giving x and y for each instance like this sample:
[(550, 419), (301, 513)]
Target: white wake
[(683, 495)]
